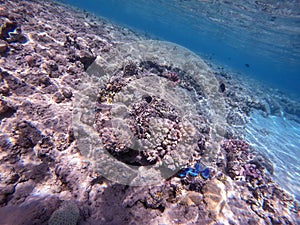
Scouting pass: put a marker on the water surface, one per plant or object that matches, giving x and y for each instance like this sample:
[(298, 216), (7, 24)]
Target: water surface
[(258, 38)]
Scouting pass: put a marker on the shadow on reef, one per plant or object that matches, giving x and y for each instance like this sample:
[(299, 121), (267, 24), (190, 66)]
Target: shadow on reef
[(35, 211)]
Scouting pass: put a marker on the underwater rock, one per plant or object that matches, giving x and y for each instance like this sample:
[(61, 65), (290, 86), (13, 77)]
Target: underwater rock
[(5, 191), (260, 105), (58, 97), (3, 46), (28, 135), (6, 109), (130, 69), (214, 194), (16, 36), (33, 60), (4, 90), (17, 85), (52, 69), (34, 211), (194, 184), (37, 172), (185, 214), (67, 93), (235, 209), (264, 197), (21, 192), (11, 32), (235, 117), (71, 41), (156, 198), (86, 59), (7, 27)]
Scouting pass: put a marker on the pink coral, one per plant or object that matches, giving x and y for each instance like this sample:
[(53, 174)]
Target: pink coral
[(251, 170), (232, 145)]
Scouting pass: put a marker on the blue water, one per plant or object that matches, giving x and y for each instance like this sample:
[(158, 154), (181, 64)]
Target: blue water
[(263, 34)]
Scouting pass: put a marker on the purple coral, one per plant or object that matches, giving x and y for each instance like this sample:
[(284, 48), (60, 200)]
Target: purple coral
[(251, 170), (237, 153), (235, 146), (172, 76)]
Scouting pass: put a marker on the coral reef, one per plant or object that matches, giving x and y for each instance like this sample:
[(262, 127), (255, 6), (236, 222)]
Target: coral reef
[(141, 111), (242, 165), (50, 176)]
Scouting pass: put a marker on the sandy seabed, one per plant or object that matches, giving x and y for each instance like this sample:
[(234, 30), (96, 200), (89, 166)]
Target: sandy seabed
[(47, 50)]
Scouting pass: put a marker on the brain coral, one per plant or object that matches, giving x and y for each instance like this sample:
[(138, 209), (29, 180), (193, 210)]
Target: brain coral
[(66, 214)]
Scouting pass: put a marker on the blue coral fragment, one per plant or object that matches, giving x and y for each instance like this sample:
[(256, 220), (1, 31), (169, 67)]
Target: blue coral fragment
[(194, 172)]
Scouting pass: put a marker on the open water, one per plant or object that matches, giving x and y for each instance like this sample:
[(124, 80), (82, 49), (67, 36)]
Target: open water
[(257, 38)]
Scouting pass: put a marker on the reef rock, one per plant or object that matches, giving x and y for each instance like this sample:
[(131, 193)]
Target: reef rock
[(33, 211), (214, 197), (6, 109), (3, 46)]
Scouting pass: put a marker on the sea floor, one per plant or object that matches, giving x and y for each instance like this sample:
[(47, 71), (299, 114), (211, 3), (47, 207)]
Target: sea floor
[(104, 125)]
